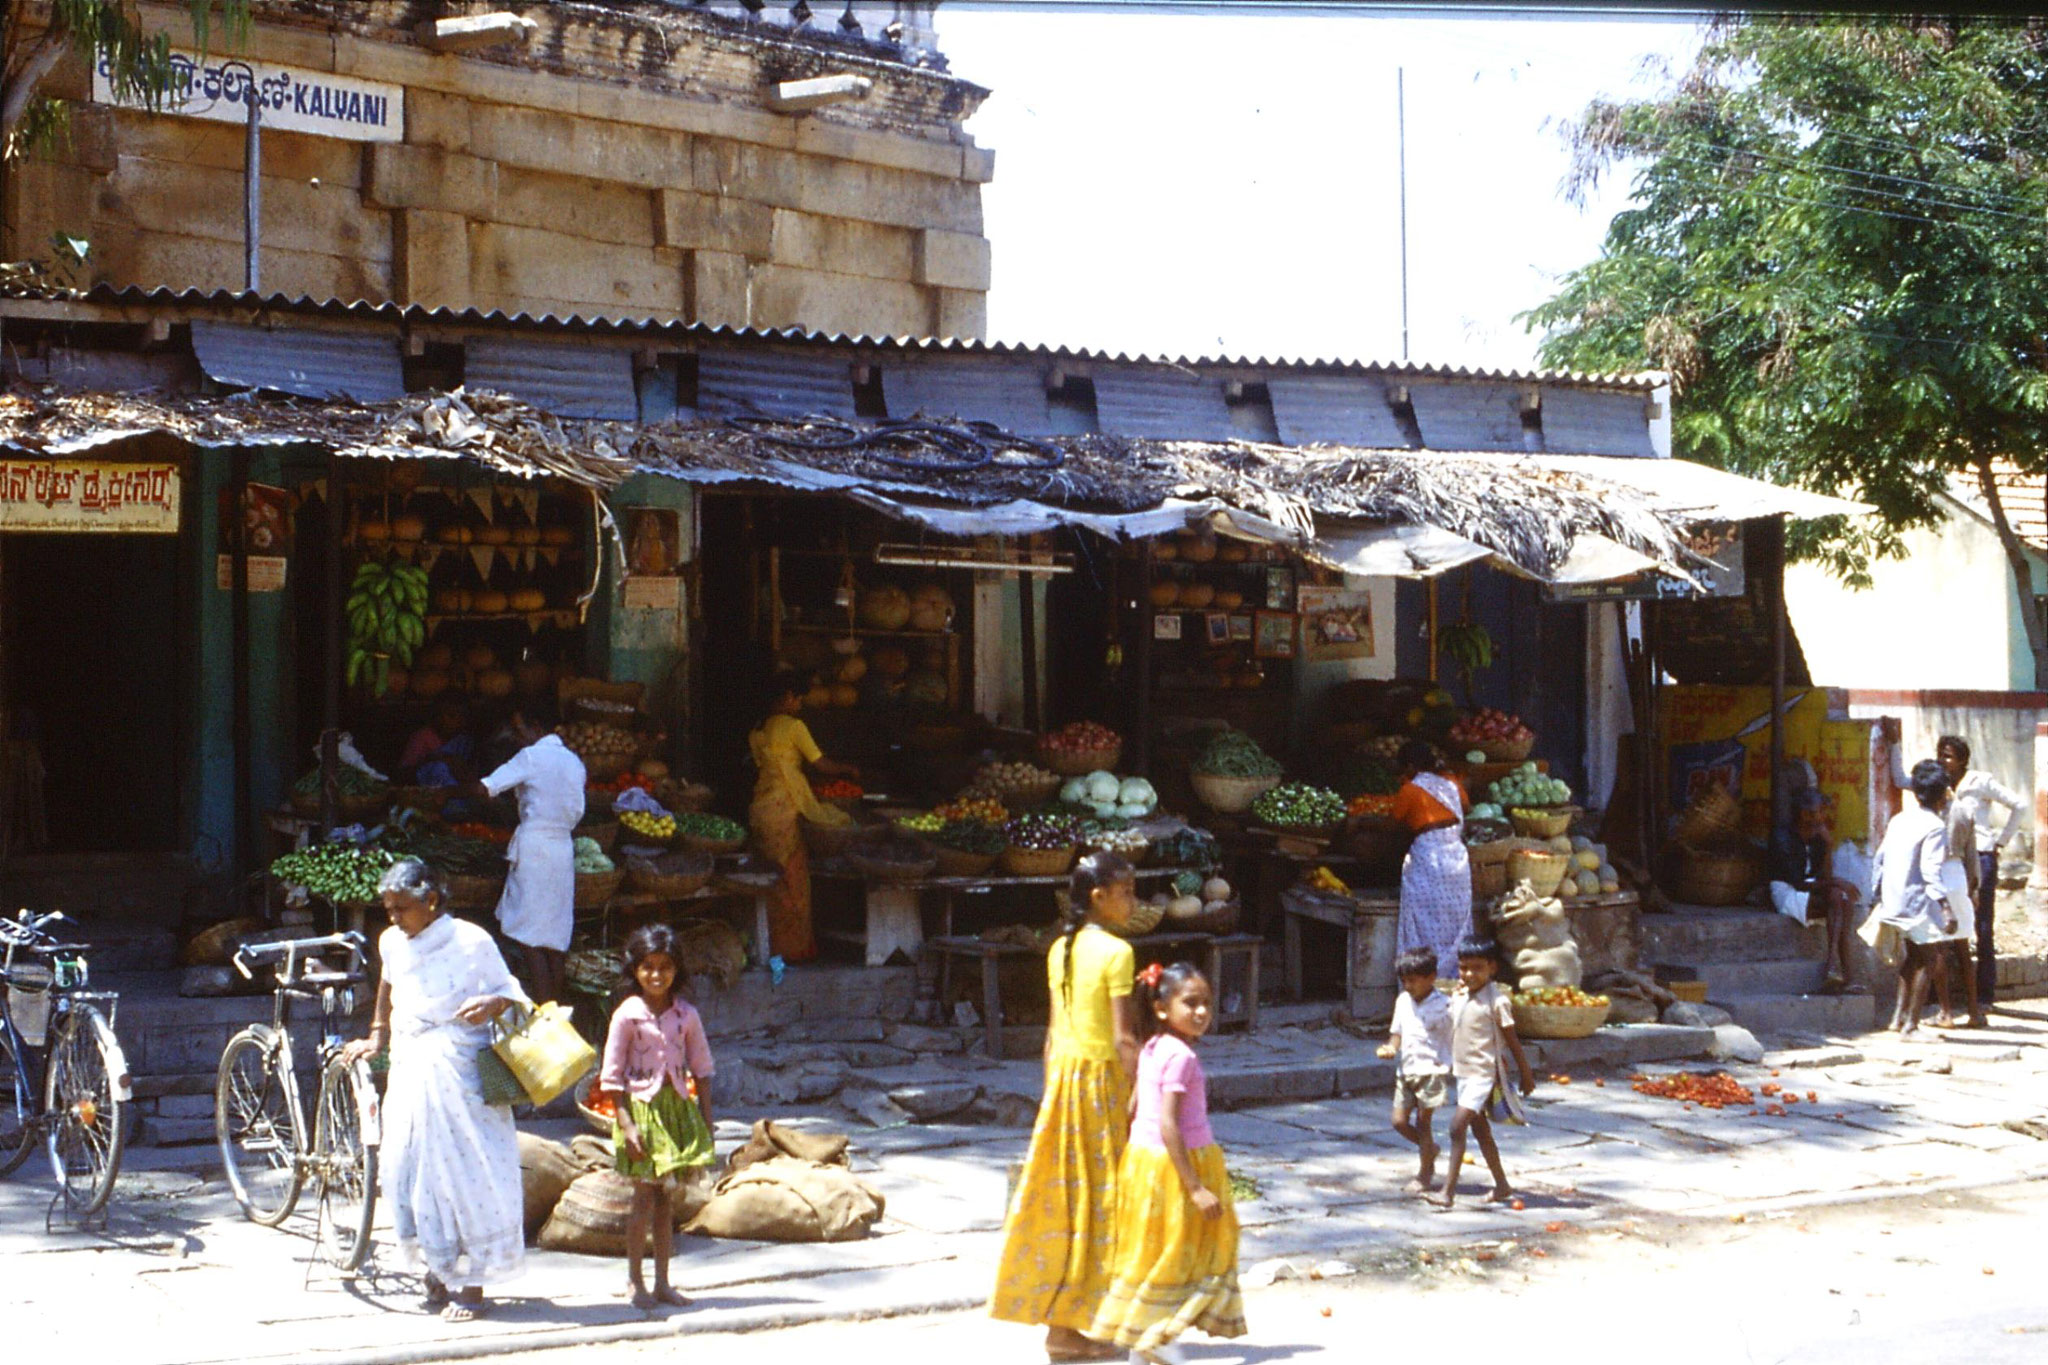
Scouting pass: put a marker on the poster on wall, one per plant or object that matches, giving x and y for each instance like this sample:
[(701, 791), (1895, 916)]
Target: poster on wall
[(1336, 622), (88, 495), (1722, 736), (267, 523), (1273, 634)]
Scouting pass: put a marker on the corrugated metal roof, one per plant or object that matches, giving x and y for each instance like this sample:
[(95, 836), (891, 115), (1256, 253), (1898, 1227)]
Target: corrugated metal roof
[(1008, 392), (308, 362), (1591, 423), (1468, 416), (1160, 401), (567, 379), (1342, 409), (134, 296), (778, 382)]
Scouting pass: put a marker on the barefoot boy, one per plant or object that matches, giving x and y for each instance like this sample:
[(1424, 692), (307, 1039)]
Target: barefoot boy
[(1482, 1025), (1421, 1037)]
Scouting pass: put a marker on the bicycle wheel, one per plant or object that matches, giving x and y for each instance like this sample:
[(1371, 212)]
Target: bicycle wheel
[(86, 1123), (345, 1155), (17, 1102), (255, 1122)]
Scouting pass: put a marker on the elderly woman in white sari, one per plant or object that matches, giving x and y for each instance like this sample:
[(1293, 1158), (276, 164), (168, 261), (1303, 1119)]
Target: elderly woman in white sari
[(450, 1162), (1436, 876)]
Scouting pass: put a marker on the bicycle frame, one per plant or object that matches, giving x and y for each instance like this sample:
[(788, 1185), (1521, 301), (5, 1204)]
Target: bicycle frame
[(335, 993)]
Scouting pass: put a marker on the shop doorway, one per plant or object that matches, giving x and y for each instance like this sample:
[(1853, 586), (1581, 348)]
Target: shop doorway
[(90, 640)]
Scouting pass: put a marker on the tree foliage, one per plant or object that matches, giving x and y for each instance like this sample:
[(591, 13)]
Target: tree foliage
[(110, 31), (1837, 245)]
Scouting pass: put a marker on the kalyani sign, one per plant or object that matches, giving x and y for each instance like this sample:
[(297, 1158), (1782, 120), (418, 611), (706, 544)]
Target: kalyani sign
[(88, 495), (290, 97)]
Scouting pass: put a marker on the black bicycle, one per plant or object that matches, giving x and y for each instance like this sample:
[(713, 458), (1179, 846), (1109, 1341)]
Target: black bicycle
[(63, 1076), (259, 1117)]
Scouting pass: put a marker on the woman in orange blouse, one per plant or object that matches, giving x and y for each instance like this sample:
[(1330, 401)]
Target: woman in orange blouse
[(1436, 876)]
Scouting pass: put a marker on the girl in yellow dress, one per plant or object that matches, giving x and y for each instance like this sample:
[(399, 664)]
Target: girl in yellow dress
[(782, 799), (1176, 1230), (1060, 1233)]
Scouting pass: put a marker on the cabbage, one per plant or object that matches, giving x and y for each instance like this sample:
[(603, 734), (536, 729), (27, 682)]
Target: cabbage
[(1075, 792), (1134, 810), (1103, 809), (1102, 786), (1136, 791)]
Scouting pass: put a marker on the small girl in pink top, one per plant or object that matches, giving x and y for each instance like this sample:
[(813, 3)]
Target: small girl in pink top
[(654, 1056), (1176, 1232)]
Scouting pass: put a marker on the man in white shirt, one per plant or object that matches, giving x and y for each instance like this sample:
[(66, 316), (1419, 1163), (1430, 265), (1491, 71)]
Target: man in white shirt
[(1977, 792), (538, 908)]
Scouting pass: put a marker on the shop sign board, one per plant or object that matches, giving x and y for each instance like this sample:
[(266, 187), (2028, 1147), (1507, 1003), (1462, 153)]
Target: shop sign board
[(1723, 575), (88, 495), (1720, 735), (289, 97)]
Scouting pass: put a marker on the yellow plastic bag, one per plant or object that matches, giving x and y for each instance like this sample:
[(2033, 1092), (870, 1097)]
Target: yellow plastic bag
[(542, 1050)]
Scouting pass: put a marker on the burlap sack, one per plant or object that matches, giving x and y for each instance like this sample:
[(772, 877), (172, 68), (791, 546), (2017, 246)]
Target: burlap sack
[(591, 1152), (787, 1200), (590, 1217), (693, 1190), (1535, 967), (770, 1140), (546, 1170)]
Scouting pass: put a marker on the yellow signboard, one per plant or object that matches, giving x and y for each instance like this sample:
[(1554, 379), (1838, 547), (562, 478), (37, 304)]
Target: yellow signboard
[(1722, 735), (88, 495)]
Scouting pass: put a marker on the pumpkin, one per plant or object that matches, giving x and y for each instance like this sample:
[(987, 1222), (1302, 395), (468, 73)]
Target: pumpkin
[(408, 528), (449, 535), (494, 535), (436, 655), (493, 682), (1163, 549), (429, 683), (890, 662), (490, 602), (1198, 549), (1165, 593), (448, 601), (884, 608), (1233, 552), (373, 532), (845, 694), (818, 698), (526, 535), (529, 599), (853, 669), (557, 535), (931, 608), (533, 676), (1228, 599), (1196, 596), (478, 658)]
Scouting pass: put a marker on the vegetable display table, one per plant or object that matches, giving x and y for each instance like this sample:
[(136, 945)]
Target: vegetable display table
[(1368, 922), (726, 883)]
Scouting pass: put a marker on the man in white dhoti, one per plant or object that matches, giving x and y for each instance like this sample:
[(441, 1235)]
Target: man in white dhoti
[(450, 1162), (538, 907)]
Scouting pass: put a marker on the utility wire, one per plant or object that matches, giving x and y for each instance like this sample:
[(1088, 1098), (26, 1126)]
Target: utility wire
[(1896, 196), (1792, 159)]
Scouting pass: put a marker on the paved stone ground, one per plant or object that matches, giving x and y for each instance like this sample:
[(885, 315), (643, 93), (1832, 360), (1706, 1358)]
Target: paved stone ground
[(178, 1277)]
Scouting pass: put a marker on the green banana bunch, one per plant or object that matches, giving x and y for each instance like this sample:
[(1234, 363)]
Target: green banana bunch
[(387, 620), (1468, 646)]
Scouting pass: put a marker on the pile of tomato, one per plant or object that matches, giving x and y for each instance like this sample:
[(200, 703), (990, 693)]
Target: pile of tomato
[(476, 829), (1370, 804), (1716, 1091), (839, 789)]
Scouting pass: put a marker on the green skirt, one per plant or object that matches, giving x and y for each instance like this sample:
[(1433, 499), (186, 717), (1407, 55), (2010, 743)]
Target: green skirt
[(672, 1132)]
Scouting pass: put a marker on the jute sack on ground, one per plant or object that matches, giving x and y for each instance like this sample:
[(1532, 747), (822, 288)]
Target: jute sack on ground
[(784, 1199), (590, 1217), (546, 1170), (771, 1139)]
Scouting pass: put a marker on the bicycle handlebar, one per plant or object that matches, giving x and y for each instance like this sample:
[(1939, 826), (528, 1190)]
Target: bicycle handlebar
[(291, 951), (32, 931)]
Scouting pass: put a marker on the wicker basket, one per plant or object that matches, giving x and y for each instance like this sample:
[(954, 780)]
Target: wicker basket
[(598, 1122), (1691, 992), (1038, 862), (1378, 841), (605, 767), (828, 841), (1223, 921), (1018, 799), (672, 876), (1492, 852), (1143, 919), (1717, 876), (684, 796), (605, 832), (1712, 817), (1543, 822), (1504, 751), (1559, 1021), (952, 862), (891, 869), (1230, 795), (473, 893), (1490, 880), (1080, 762), (697, 843), (1543, 871), (593, 889)]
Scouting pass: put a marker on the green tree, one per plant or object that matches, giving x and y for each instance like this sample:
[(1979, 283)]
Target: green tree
[(1837, 246)]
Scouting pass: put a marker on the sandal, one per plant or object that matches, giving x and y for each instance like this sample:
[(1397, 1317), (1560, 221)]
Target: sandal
[(437, 1296), (458, 1311)]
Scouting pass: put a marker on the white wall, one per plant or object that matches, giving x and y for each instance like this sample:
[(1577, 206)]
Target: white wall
[(1944, 616)]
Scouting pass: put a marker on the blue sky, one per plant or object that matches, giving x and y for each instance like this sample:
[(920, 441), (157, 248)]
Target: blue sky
[(1226, 182)]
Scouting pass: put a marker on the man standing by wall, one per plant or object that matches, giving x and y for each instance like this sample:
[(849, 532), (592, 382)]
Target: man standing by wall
[(1977, 792)]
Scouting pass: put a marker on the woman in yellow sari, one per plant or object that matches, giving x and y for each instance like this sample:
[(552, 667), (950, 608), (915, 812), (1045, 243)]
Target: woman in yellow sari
[(782, 748)]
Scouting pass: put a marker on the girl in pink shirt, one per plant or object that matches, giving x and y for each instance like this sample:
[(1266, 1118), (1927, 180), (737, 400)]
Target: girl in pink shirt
[(1175, 1265), (654, 1057)]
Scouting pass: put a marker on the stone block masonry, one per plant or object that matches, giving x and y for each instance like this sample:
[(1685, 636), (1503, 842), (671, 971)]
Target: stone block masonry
[(621, 163)]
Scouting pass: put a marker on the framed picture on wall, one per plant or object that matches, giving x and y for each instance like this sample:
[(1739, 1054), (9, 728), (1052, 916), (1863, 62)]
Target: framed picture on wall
[(1273, 635), (1219, 627), (1279, 588), (1166, 625), (1240, 627)]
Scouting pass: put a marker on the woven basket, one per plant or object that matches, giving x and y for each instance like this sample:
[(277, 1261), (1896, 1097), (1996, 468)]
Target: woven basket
[(1713, 816), (606, 832), (1038, 862), (1543, 871), (605, 767), (697, 843), (1692, 992), (1717, 876), (1223, 921), (1143, 919), (1378, 841), (828, 841), (954, 863), (473, 893), (1559, 1021), (1018, 799), (1543, 822), (1081, 762), (672, 876), (1230, 795), (1504, 751), (599, 1122), (1490, 880), (593, 889), (1492, 852), (684, 796), (891, 869)]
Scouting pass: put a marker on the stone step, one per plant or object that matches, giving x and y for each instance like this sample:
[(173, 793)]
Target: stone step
[(1828, 1016), (1783, 976), (1694, 936)]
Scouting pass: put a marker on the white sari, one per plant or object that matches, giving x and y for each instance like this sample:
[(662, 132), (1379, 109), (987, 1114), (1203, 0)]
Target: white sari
[(450, 1162), (1436, 884)]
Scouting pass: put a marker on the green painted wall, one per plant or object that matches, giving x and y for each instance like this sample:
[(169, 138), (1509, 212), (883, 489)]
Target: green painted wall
[(636, 644)]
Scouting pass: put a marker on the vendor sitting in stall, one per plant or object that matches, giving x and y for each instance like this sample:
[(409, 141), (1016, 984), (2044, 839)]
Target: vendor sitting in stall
[(1436, 876), (783, 799), (538, 908), (439, 754), (1803, 883)]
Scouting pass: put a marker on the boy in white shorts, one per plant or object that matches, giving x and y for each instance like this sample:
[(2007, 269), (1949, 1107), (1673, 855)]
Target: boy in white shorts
[(1421, 1037), (1482, 1027)]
